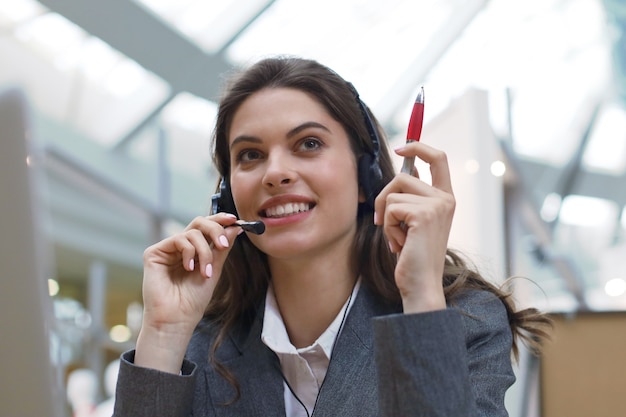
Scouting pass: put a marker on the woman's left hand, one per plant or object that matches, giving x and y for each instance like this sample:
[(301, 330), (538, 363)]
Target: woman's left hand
[(416, 219)]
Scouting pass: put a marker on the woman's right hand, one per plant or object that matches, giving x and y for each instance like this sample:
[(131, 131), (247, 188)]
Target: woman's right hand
[(180, 275)]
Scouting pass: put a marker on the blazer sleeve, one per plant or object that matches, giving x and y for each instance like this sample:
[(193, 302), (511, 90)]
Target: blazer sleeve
[(453, 362), (148, 392)]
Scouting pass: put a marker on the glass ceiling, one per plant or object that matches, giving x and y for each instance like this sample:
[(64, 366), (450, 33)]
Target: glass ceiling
[(551, 61)]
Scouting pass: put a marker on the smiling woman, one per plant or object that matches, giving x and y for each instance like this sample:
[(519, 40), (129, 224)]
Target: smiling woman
[(300, 156), (348, 304)]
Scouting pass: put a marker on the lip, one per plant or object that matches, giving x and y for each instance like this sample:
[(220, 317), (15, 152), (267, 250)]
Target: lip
[(285, 199)]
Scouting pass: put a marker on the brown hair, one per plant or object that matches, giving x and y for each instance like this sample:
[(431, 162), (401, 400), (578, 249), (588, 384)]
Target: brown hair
[(246, 275)]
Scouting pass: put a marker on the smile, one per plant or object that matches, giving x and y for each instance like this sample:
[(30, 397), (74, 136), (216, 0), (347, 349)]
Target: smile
[(288, 209)]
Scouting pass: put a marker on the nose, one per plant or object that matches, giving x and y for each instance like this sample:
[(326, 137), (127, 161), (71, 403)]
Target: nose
[(279, 171)]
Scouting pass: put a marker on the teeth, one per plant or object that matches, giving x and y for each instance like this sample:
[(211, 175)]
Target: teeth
[(286, 209)]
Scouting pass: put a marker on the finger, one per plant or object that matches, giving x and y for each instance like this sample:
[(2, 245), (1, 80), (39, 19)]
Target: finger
[(203, 251), (213, 231), (401, 186), (221, 251), (186, 249), (200, 222), (437, 159), (394, 227)]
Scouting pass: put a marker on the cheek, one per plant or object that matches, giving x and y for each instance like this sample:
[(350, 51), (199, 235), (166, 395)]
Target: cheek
[(343, 180), (240, 190)]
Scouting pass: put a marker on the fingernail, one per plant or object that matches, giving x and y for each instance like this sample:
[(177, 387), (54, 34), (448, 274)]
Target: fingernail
[(209, 270), (232, 216), (191, 264), (375, 218), (223, 240), (391, 248), (240, 231)]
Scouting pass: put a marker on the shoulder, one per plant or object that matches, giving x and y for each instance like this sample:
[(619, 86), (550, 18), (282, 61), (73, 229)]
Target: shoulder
[(478, 303), (484, 316)]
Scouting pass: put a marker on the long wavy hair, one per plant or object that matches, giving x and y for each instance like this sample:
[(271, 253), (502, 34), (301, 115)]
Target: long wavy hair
[(246, 275)]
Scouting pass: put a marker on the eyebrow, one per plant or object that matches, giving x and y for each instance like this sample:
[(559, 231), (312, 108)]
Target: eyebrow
[(290, 134)]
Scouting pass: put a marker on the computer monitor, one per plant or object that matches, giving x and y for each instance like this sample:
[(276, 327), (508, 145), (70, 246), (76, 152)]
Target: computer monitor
[(31, 383)]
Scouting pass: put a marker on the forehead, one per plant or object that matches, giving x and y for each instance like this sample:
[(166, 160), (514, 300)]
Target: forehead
[(272, 104)]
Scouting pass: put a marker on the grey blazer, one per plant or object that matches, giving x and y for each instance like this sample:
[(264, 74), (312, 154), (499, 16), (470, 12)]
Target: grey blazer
[(454, 362)]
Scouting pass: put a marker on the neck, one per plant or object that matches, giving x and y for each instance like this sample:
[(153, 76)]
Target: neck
[(310, 296)]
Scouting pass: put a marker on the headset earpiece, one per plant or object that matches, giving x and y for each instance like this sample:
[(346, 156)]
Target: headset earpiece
[(370, 174), (222, 201), (370, 178)]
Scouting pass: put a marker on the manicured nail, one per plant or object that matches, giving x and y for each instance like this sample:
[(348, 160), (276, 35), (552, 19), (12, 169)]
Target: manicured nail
[(391, 248), (191, 264), (223, 240), (231, 215), (240, 231), (375, 218), (209, 270)]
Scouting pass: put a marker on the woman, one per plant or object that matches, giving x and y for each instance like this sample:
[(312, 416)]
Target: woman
[(349, 304)]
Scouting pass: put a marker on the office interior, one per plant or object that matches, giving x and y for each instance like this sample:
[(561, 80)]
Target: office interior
[(527, 98)]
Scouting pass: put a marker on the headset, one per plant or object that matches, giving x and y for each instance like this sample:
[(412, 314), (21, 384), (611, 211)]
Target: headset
[(222, 200), (369, 172)]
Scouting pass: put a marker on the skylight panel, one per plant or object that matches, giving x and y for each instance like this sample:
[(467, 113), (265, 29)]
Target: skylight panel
[(16, 11), (50, 34), (580, 210), (606, 150), (372, 44), (210, 24)]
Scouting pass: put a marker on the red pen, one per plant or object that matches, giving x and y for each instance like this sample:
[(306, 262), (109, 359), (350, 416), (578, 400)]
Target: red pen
[(415, 129)]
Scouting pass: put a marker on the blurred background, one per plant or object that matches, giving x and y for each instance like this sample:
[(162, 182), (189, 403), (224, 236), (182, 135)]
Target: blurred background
[(527, 98)]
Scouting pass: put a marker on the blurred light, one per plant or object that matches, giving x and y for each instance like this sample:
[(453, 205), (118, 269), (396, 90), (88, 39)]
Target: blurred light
[(498, 168), (472, 166), (615, 287), (53, 287), (551, 206), (82, 319), (134, 316), (120, 333), (579, 210)]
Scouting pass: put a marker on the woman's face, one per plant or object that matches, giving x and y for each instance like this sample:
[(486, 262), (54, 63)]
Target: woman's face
[(293, 168)]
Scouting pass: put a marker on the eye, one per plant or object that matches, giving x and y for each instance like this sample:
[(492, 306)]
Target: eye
[(310, 144), (248, 155)]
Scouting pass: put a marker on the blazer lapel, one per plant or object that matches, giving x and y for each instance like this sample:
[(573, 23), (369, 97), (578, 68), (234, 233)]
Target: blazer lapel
[(257, 370), (350, 387)]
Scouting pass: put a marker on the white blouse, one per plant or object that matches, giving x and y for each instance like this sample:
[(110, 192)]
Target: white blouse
[(303, 369)]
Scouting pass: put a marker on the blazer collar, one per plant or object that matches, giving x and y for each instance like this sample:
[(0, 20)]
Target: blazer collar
[(350, 379), (366, 306)]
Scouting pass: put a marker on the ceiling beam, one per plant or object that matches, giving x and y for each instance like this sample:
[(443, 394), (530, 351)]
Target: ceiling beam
[(592, 184), (152, 43)]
